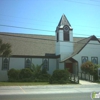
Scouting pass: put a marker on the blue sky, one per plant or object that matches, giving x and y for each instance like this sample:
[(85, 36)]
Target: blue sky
[(84, 16)]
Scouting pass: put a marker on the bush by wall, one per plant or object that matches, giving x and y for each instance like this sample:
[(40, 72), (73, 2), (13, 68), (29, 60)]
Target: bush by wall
[(59, 77), (13, 75), (89, 67), (40, 73), (26, 75)]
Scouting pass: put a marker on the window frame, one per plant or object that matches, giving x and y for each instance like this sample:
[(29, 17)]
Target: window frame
[(66, 36), (47, 67), (84, 57), (94, 57), (7, 63), (26, 62)]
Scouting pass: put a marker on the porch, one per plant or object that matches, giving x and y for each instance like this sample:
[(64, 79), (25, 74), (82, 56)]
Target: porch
[(72, 65)]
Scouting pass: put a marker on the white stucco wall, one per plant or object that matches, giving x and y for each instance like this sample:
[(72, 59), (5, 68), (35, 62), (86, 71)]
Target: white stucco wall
[(90, 50), (61, 38), (17, 63), (37, 61), (52, 65), (71, 36), (64, 48), (61, 66)]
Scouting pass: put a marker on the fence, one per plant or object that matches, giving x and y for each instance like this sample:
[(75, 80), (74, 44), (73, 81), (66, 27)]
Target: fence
[(74, 78), (85, 76)]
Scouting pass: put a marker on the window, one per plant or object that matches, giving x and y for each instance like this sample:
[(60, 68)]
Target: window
[(66, 36), (94, 60), (5, 63), (46, 64), (84, 59), (28, 62), (57, 37)]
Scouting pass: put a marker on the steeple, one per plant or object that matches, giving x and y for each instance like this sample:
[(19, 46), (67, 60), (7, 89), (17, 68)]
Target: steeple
[(64, 37), (64, 21)]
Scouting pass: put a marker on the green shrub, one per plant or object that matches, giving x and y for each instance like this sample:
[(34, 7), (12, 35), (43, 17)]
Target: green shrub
[(42, 78), (59, 77), (26, 75), (92, 69), (40, 74), (13, 75), (87, 67)]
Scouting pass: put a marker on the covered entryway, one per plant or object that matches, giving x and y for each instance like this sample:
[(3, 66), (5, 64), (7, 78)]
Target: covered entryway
[(72, 65), (69, 66)]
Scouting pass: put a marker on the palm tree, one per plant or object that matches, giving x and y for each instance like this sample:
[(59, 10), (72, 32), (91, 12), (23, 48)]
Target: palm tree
[(5, 49)]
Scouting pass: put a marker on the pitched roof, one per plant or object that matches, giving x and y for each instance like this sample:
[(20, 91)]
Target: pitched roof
[(63, 21), (79, 45), (38, 45), (28, 44)]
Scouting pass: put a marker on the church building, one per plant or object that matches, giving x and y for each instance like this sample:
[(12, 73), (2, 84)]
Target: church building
[(54, 52)]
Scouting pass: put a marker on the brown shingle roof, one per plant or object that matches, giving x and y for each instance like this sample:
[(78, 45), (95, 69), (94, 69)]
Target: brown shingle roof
[(63, 21), (36, 45), (31, 45)]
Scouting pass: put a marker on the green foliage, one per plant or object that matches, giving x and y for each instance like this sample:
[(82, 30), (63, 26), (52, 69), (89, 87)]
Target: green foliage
[(29, 74), (36, 69), (59, 77), (26, 75), (5, 49), (40, 75), (13, 75), (89, 67)]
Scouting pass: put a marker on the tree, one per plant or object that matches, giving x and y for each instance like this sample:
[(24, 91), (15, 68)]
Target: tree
[(5, 49), (90, 68), (87, 67)]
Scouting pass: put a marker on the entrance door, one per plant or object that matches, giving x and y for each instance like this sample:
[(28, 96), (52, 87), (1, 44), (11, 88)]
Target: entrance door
[(69, 66)]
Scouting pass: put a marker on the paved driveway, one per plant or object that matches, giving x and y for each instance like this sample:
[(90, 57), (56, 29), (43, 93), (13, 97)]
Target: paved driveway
[(83, 82)]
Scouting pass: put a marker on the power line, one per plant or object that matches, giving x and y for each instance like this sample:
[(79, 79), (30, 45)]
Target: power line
[(46, 43), (47, 25), (37, 29), (25, 22), (25, 28), (82, 3)]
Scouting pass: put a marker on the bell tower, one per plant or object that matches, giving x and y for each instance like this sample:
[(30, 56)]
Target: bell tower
[(64, 38)]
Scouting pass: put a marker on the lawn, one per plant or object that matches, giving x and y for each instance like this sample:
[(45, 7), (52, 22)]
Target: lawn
[(23, 83), (29, 83)]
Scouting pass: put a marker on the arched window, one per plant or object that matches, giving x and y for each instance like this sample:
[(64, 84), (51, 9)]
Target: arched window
[(45, 64), (28, 62), (84, 59), (66, 36), (94, 60), (5, 64)]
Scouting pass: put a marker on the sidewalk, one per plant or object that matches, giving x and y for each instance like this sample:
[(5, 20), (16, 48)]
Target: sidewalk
[(83, 82)]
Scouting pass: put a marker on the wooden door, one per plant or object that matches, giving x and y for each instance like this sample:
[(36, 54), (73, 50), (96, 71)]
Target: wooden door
[(69, 66)]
